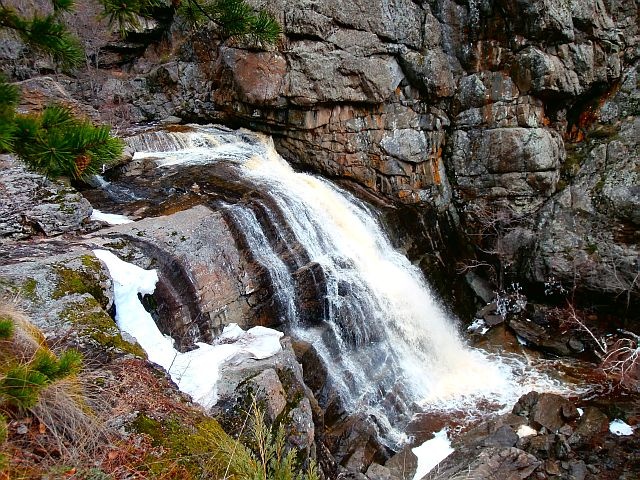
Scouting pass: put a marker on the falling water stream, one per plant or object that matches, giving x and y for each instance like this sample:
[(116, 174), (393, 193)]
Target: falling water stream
[(390, 348)]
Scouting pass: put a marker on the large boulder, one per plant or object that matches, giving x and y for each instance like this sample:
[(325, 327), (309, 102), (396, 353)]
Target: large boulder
[(276, 386), (493, 463)]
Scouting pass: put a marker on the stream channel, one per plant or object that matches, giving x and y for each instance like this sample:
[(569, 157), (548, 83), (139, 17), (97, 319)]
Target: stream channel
[(392, 351)]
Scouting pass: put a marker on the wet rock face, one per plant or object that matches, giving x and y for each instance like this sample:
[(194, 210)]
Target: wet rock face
[(467, 105), (204, 281)]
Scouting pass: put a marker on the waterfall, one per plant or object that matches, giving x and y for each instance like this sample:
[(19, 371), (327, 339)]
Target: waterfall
[(281, 279), (387, 343), (387, 324)]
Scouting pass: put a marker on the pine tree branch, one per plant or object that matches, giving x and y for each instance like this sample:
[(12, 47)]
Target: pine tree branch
[(204, 12), (45, 33)]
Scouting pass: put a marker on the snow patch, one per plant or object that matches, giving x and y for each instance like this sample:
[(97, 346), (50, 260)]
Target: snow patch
[(526, 431), (196, 372), (580, 411), (110, 218), (618, 427), (431, 453)]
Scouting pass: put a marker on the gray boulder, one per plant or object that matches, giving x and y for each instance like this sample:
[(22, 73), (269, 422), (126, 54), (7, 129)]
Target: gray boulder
[(32, 205)]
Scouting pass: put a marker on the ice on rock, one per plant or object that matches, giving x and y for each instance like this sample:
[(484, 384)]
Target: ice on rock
[(196, 372)]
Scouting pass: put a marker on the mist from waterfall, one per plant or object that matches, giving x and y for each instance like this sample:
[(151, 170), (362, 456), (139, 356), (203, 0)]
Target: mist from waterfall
[(387, 342)]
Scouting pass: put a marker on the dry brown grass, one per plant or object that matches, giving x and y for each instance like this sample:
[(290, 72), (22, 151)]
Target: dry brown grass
[(26, 339), (62, 408), (137, 386), (60, 427)]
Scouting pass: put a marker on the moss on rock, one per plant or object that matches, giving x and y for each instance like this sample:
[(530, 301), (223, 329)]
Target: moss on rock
[(89, 277), (198, 450), (92, 322), (28, 289)]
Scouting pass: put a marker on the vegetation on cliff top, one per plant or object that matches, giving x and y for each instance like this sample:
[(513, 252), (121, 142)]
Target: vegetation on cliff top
[(235, 18), (54, 142)]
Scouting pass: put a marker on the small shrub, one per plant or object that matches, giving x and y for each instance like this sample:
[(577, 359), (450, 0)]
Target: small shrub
[(69, 363), (21, 385), (54, 368), (6, 328), (270, 457), (623, 362)]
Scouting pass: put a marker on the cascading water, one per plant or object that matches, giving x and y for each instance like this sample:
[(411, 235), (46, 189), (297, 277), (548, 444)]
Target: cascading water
[(386, 341), (281, 280)]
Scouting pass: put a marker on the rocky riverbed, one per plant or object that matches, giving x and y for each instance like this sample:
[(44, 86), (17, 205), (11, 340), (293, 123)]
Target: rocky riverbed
[(207, 280), (497, 140)]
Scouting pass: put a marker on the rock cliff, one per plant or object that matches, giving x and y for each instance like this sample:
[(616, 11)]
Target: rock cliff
[(514, 120), (511, 126)]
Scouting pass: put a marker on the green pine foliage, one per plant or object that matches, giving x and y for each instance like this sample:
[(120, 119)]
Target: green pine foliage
[(192, 14), (46, 363), (128, 15), (60, 6), (46, 33), (55, 142), (264, 28), (27, 366), (36, 384), (9, 97), (67, 364), (21, 385), (235, 18), (6, 328)]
